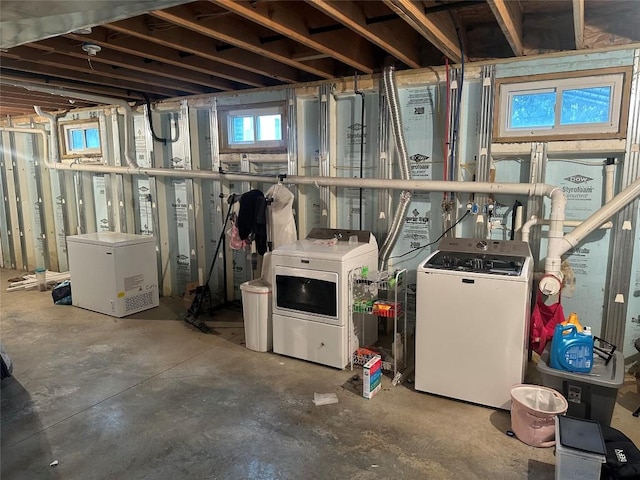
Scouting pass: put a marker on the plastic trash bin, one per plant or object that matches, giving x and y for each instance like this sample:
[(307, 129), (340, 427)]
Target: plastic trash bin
[(591, 396), (256, 310)]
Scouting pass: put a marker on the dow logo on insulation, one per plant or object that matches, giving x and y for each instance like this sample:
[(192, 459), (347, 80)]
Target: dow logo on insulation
[(418, 157), (578, 179)]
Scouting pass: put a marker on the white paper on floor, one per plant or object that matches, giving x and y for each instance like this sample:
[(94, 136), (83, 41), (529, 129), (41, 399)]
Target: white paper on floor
[(324, 398)]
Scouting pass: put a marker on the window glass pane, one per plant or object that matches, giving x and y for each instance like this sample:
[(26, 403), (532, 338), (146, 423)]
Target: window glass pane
[(269, 127), (77, 139), (93, 138), (536, 109), (585, 105), (242, 129)]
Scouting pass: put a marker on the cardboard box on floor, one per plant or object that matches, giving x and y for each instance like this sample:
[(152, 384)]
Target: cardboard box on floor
[(189, 293)]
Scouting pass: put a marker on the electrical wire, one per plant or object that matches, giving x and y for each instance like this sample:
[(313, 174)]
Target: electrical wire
[(456, 117), (357, 91), (436, 240), (150, 121), (446, 125)]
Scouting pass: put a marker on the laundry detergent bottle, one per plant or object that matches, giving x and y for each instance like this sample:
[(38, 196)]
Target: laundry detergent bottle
[(571, 350)]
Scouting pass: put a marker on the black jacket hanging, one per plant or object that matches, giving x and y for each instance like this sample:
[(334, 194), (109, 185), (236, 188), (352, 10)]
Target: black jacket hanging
[(252, 219)]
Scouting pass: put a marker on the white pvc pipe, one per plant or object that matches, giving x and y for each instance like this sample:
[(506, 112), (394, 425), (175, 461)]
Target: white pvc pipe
[(55, 157), (517, 224), (608, 182), (558, 200), (526, 228), (616, 204), (128, 113), (37, 131), (550, 285)]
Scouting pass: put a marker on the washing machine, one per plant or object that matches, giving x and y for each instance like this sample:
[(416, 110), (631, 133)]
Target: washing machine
[(472, 320)]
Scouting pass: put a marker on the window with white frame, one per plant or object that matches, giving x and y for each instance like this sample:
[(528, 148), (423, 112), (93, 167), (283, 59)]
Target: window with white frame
[(81, 139), (589, 106), (255, 128)]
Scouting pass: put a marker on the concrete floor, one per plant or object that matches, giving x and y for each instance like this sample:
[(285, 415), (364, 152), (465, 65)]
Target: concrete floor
[(148, 396)]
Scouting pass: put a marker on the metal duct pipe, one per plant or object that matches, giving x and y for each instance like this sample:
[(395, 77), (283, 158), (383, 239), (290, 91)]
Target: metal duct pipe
[(128, 113), (395, 228), (391, 93)]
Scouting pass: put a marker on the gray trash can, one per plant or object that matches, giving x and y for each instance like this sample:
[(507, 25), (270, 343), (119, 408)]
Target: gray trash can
[(256, 310)]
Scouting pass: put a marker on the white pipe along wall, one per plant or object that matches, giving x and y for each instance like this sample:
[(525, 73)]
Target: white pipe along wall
[(128, 113), (550, 286), (558, 242), (608, 195)]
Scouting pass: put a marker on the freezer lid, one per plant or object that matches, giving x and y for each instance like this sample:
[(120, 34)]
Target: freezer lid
[(111, 239)]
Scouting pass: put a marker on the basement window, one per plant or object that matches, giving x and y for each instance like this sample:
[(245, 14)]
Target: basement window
[(81, 139), (562, 107), (247, 129)]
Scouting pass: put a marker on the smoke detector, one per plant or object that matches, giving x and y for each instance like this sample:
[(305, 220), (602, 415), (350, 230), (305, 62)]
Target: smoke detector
[(82, 31), (91, 49)]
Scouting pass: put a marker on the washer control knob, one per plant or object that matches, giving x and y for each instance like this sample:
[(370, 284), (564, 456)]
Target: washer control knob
[(482, 245)]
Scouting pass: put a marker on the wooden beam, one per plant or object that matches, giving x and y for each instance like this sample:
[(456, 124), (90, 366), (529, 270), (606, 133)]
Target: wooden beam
[(13, 111), (436, 27), (186, 41), (7, 91), (121, 42), (88, 78), (353, 50), (28, 103), (235, 32), (87, 65), (24, 78), (132, 62), (509, 16), (26, 100), (578, 23), (398, 43)]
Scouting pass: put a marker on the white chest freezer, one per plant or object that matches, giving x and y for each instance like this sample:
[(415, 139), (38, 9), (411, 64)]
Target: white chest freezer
[(113, 273)]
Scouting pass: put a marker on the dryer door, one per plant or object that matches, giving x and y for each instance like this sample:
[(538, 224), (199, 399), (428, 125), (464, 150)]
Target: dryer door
[(307, 294)]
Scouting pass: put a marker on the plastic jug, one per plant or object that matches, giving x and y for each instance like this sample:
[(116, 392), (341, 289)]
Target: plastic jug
[(571, 350), (573, 320)]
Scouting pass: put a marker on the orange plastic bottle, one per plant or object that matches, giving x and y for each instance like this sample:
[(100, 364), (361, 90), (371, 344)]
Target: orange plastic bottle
[(572, 320)]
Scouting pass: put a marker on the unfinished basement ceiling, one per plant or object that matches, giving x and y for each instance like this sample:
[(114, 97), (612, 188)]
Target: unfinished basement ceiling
[(187, 48)]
